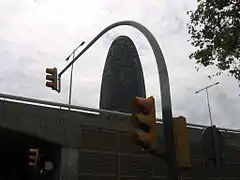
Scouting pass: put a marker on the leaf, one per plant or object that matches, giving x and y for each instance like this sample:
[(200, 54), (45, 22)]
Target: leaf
[(214, 31)]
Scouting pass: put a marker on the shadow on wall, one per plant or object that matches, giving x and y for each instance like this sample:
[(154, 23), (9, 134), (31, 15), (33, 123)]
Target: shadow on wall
[(14, 154)]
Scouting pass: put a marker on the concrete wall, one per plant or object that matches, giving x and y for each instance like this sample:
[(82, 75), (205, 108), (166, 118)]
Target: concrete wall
[(112, 155), (15, 146), (105, 147), (65, 127)]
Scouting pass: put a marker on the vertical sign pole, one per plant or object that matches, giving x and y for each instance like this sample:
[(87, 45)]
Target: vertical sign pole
[(217, 154), (209, 110), (71, 77)]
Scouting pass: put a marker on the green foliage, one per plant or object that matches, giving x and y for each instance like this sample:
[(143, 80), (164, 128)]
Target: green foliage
[(215, 32)]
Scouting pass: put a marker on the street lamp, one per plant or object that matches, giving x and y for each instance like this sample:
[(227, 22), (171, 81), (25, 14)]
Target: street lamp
[(71, 76), (206, 88)]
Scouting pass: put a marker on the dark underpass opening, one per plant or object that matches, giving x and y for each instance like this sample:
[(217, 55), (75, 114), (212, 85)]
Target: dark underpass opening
[(14, 157)]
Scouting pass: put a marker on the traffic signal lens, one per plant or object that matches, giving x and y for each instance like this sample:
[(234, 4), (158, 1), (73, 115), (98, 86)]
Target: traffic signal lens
[(49, 84), (145, 128), (145, 110), (31, 164), (49, 77), (145, 106), (141, 122), (50, 70), (33, 150), (32, 157)]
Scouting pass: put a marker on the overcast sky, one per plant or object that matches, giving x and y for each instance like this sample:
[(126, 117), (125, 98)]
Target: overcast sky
[(36, 34)]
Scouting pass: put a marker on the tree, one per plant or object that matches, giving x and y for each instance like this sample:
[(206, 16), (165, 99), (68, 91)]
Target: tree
[(214, 28)]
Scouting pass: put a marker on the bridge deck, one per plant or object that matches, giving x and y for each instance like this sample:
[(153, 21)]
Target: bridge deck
[(62, 123), (103, 140)]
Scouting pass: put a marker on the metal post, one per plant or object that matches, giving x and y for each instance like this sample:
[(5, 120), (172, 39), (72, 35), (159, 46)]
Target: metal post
[(209, 110), (215, 140), (216, 146), (71, 75), (70, 88)]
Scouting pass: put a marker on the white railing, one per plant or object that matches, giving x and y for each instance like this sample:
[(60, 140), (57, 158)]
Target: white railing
[(50, 104)]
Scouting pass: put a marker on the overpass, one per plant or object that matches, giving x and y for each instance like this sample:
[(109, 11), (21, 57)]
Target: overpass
[(102, 141)]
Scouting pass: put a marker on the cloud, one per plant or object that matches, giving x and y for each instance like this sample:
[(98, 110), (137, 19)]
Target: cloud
[(42, 33)]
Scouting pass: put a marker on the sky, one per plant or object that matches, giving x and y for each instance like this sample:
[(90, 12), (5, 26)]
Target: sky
[(36, 34)]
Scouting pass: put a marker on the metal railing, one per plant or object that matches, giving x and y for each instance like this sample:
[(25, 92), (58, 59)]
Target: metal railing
[(63, 106)]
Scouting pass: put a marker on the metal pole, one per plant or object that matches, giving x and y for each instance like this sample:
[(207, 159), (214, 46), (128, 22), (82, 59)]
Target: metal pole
[(71, 77), (218, 155), (209, 110), (215, 140)]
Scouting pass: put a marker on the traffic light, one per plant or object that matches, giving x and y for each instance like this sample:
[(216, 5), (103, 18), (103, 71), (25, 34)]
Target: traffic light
[(33, 157), (51, 78), (181, 142), (144, 121)]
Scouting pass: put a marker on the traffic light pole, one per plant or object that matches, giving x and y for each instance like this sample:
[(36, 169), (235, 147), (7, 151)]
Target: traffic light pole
[(164, 89)]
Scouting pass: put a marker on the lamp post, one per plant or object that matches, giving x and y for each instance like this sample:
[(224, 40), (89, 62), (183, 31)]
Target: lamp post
[(206, 88), (71, 75), (214, 131)]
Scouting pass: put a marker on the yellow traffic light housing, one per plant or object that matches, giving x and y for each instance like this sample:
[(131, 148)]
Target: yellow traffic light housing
[(181, 141), (51, 78), (144, 121), (33, 157)]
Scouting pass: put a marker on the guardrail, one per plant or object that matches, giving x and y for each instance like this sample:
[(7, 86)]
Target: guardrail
[(50, 104)]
